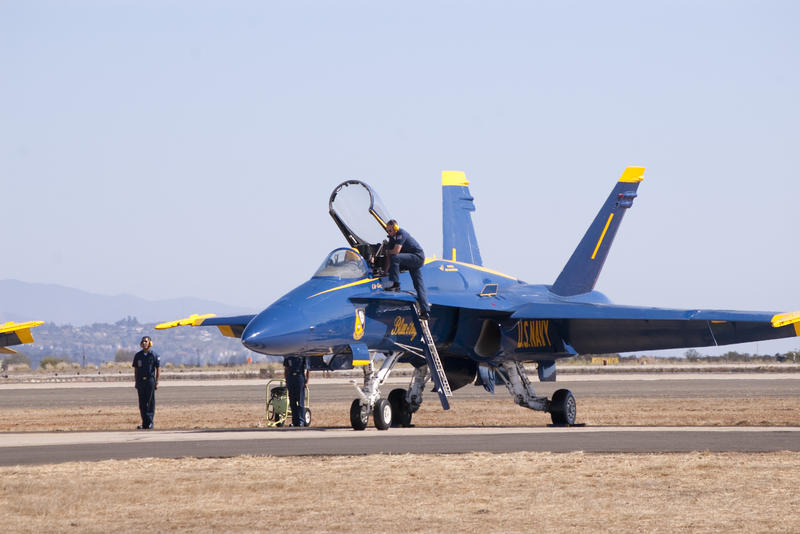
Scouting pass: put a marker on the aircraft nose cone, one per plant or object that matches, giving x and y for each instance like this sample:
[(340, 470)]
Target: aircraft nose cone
[(278, 330)]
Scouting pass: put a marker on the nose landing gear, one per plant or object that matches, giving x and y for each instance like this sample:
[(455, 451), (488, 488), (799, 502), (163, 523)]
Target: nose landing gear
[(397, 409)]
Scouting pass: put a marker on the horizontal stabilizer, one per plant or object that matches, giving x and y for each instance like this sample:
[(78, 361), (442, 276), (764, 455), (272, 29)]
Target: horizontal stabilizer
[(583, 268)]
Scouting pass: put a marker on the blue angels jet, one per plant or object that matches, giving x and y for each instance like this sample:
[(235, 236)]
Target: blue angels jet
[(12, 333), (484, 325)]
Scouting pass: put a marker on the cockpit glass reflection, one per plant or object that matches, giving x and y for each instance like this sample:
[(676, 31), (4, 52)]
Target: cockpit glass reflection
[(343, 263)]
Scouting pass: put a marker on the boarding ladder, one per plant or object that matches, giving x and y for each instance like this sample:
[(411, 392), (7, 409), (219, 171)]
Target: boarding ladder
[(434, 362)]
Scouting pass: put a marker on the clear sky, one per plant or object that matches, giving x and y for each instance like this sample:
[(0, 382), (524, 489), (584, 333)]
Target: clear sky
[(186, 148)]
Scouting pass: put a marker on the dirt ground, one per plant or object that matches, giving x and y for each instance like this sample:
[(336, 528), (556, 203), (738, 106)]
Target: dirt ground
[(522, 492), (592, 411), (698, 492)]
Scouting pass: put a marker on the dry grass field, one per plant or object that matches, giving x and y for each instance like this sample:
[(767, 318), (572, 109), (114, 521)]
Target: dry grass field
[(522, 492), (698, 492), (592, 411)]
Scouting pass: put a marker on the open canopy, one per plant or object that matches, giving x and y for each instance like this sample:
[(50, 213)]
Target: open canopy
[(359, 213)]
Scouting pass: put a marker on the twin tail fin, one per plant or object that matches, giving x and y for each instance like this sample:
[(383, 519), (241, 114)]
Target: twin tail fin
[(459, 242), (583, 268)]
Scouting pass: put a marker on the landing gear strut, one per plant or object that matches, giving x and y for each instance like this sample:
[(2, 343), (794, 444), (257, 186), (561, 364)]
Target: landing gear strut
[(562, 407), (400, 405), (370, 400)]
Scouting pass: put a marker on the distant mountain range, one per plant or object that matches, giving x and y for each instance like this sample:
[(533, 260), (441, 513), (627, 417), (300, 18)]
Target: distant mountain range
[(24, 301)]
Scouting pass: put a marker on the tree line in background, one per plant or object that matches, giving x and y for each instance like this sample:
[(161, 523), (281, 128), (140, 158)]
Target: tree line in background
[(97, 344), (694, 356)]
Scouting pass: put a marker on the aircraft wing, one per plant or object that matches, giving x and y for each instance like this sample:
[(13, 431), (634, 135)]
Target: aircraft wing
[(16, 334), (603, 328), (606, 328), (228, 326)]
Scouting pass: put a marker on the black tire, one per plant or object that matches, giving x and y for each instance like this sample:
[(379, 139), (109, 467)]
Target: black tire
[(563, 408), (382, 414), (359, 415), (307, 417), (401, 414)]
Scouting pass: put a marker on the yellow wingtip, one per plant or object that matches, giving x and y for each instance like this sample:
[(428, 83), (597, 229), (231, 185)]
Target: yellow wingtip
[(632, 175), (454, 178), (192, 320), (785, 319), (12, 326)]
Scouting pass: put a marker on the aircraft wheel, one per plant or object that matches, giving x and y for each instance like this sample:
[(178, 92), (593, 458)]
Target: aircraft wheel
[(401, 415), (382, 414), (307, 417), (359, 415), (563, 407)]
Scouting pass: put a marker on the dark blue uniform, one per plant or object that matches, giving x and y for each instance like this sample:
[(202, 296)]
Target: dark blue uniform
[(412, 258), (295, 372), (144, 365)]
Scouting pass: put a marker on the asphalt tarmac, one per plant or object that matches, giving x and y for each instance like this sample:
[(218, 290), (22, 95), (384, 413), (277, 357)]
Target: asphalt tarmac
[(54, 447), (190, 392)]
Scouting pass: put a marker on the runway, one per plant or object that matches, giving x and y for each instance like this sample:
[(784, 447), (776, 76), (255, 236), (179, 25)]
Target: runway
[(55, 447), (41, 448), (182, 392)]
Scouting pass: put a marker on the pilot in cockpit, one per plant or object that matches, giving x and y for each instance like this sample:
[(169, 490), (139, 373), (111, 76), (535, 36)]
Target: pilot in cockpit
[(404, 251)]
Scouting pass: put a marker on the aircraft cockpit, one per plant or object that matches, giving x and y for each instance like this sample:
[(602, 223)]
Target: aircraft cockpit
[(343, 263), (361, 216)]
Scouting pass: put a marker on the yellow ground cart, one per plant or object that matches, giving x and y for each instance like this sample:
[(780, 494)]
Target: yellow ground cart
[(278, 409)]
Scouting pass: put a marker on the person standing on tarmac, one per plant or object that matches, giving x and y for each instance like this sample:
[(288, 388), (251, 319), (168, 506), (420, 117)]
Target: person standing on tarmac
[(297, 375), (404, 251), (147, 370)]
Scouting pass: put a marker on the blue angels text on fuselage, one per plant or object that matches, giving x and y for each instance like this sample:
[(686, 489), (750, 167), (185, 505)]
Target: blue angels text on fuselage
[(484, 324)]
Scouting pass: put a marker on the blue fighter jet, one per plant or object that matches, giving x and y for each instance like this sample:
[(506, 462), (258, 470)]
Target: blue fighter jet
[(484, 325)]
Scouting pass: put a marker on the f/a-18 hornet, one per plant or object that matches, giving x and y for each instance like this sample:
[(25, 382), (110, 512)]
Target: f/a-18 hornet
[(484, 325)]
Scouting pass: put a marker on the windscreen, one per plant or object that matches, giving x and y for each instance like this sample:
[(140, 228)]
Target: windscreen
[(343, 263), (361, 210)]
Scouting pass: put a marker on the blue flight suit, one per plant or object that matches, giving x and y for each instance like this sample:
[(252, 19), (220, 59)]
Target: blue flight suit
[(144, 365), (295, 371), (412, 258)]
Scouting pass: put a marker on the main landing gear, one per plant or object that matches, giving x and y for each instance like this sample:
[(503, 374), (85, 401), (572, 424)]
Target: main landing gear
[(398, 408), (562, 406)]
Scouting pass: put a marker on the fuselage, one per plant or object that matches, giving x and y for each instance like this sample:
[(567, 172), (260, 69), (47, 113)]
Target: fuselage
[(319, 317)]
